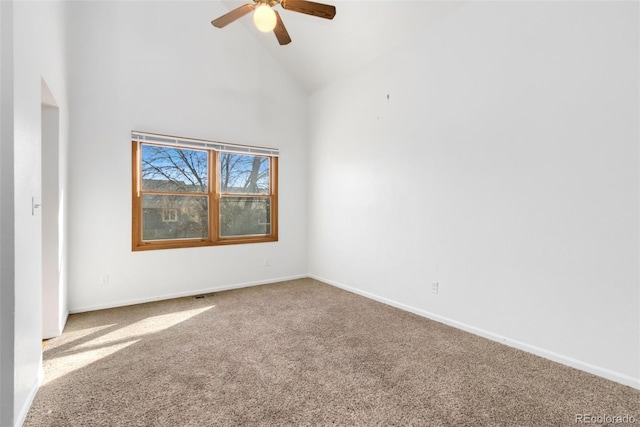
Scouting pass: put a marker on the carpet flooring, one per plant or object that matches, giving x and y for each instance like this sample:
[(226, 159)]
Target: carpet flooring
[(303, 353)]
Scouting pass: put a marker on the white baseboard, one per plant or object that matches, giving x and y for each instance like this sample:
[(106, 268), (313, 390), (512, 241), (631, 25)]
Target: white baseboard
[(24, 411), (52, 333), (183, 294), (63, 321), (568, 361)]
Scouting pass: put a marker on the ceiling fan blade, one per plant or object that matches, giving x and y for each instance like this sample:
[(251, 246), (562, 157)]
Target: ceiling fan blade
[(280, 31), (236, 13), (320, 10)]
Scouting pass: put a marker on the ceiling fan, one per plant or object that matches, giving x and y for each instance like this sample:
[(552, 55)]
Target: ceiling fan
[(267, 19)]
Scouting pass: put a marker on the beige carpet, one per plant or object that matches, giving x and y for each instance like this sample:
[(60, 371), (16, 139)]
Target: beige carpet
[(301, 353)]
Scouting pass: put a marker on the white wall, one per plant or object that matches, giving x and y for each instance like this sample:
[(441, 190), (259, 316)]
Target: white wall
[(161, 67), (7, 249), (39, 53), (497, 154)]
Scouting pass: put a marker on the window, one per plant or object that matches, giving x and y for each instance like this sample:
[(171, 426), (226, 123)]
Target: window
[(189, 193), (169, 215)]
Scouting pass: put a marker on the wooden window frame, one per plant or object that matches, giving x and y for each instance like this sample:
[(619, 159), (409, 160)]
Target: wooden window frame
[(214, 196)]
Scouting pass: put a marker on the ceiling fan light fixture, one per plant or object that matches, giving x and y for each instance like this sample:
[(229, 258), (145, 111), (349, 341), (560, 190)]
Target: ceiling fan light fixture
[(265, 18)]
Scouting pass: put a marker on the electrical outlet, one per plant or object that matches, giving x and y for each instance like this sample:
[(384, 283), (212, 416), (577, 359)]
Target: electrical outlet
[(104, 279), (266, 262), (434, 287)]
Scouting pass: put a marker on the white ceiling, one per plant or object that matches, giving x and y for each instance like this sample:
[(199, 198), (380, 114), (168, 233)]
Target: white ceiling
[(361, 30)]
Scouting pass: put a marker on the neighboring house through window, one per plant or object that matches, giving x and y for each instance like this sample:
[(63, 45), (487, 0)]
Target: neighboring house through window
[(190, 193)]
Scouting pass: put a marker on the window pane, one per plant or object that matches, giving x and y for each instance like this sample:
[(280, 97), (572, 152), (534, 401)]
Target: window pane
[(174, 169), (244, 174), (174, 217), (245, 216)]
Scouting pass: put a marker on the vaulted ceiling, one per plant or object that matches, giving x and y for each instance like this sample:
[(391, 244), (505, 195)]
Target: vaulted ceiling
[(323, 49)]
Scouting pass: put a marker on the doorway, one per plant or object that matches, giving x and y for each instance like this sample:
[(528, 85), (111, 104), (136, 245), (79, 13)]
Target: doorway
[(52, 320)]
